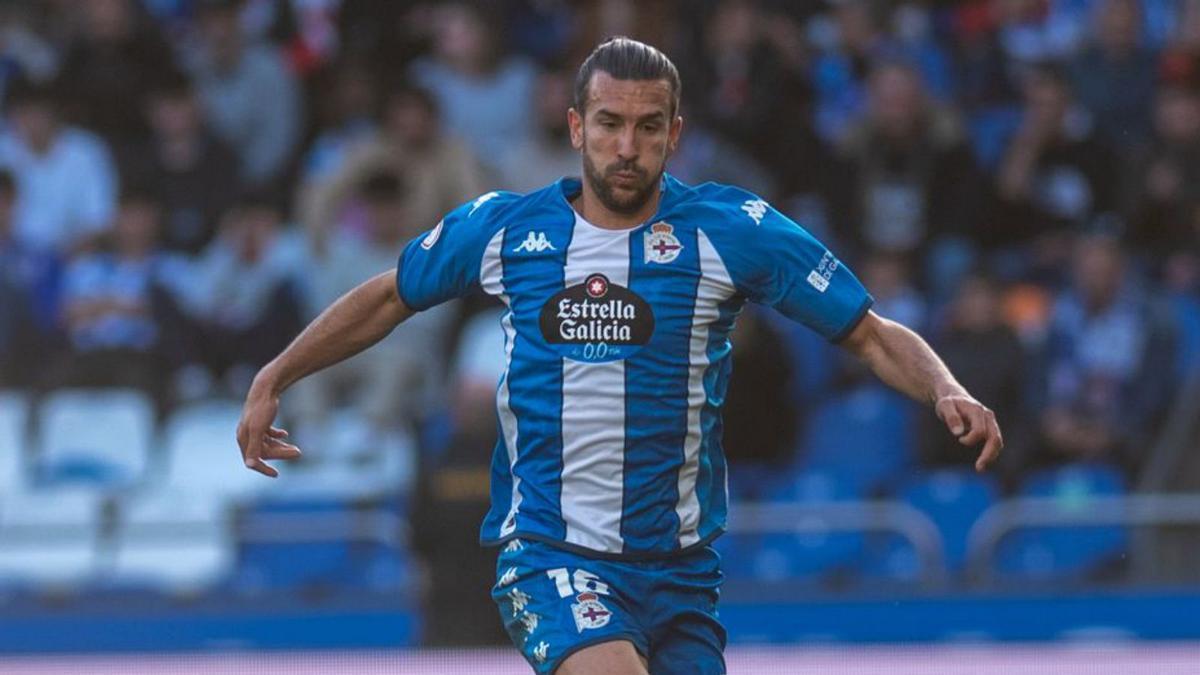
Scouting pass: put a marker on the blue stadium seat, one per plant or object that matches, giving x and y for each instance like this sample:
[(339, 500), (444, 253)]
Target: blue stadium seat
[(953, 499), (325, 565), (864, 435), (97, 436), (805, 556), (1054, 553), (990, 130)]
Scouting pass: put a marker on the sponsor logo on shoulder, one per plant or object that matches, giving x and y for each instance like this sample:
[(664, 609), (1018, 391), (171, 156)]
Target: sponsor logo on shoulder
[(820, 277), (596, 321), (589, 612), (535, 242), (433, 236), (756, 209), (661, 244)]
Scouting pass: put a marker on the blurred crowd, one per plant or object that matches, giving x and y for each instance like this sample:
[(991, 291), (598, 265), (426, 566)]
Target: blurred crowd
[(185, 183)]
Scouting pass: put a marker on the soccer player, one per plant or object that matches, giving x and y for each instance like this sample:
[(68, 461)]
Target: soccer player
[(608, 481)]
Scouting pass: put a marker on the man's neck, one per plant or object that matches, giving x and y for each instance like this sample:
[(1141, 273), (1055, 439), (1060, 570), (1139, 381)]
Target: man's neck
[(589, 206)]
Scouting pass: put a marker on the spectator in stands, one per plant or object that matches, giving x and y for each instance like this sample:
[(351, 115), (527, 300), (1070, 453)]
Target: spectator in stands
[(910, 174), (760, 416), (66, 182), (741, 90), (191, 173), (107, 68), (547, 154), (397, 382), (888, 277), (452, 493), (1163, 185), (440, 169), (1055, 175), (469, 73), (347, 117), (1117, 62), (236, 305), (840, 74), (249, 93), (986, 356), (1108, 356), (108, 307), (28, 297)]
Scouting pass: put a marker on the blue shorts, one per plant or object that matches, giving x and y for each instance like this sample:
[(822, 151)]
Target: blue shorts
[(554, 603)]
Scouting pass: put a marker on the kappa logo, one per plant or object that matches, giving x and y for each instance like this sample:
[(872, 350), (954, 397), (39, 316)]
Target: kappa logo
[(483, 199), (661, 244), (535, 242), (509, 576), (529, 621), (539, 652), (756, 209), (589, 612), (519, 599), (514, 545)]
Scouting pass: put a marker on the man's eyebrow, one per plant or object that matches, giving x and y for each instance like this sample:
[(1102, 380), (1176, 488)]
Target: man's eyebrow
[(650, 117)]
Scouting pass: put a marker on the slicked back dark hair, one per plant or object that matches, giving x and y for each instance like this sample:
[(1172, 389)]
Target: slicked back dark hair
[(626, 59)]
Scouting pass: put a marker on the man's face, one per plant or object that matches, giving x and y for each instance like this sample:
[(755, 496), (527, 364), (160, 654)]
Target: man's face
[(626, 133)]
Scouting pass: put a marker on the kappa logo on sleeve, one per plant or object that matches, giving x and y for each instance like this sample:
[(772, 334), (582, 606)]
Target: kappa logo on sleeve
[(756, 209)]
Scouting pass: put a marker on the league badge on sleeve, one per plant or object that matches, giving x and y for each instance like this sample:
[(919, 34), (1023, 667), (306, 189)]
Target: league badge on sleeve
[(661, 244), (589, 612)]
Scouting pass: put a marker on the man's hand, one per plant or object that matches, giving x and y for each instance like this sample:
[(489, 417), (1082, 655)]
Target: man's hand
[(259, 440), (971, 422)]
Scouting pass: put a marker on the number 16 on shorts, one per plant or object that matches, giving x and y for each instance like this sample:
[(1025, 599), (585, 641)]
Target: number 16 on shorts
[(587, 609)]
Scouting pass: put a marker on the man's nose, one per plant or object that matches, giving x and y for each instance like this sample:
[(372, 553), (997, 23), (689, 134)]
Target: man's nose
[(627, 144)]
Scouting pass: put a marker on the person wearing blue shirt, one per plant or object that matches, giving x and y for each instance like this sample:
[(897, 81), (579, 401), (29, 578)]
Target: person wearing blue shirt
[(620, 289)]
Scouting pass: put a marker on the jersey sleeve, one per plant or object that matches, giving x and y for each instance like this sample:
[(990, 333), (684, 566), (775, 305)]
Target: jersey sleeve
[(775, 262), (444, 263)]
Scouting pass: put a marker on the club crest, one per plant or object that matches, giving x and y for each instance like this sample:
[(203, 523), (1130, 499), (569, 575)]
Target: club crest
[(589, 612), (661, 244)]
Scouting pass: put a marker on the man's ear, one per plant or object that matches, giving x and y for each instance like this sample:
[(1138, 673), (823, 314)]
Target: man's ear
[(673, 134), (575, 124)]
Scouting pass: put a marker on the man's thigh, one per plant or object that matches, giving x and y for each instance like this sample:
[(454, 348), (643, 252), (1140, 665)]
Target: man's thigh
[(557, 606), (618, 657)]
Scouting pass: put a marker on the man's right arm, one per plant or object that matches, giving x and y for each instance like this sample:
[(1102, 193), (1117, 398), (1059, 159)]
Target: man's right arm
[(353, 323)]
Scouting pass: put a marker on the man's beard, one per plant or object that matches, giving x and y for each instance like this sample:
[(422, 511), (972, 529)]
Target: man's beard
[(607, 196)]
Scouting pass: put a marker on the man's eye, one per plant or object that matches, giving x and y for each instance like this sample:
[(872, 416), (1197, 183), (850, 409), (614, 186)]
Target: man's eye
[(651, 128), (609, 124)]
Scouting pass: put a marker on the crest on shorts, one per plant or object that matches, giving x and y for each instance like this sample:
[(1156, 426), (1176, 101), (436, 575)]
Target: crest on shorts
[(589, 612), (661, 244)]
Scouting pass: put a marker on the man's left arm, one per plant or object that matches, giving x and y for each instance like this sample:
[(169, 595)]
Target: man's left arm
[(904, 361)]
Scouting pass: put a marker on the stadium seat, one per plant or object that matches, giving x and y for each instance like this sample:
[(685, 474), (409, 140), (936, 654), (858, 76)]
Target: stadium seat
[(1062, 553), (864, 435), (48, 538), (802, 556), (173, 542), (14, 411), (953, 499), (202, 454), (325, 564), (99, 436)]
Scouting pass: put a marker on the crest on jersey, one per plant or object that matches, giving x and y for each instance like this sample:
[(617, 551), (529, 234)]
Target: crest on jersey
[(661, 244), (589, 612)]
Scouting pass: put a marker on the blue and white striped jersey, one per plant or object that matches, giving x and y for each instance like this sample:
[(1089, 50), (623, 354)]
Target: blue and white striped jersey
[(617, 352)]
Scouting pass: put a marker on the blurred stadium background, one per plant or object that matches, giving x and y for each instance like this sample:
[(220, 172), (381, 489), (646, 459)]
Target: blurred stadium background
[(185, 183)]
